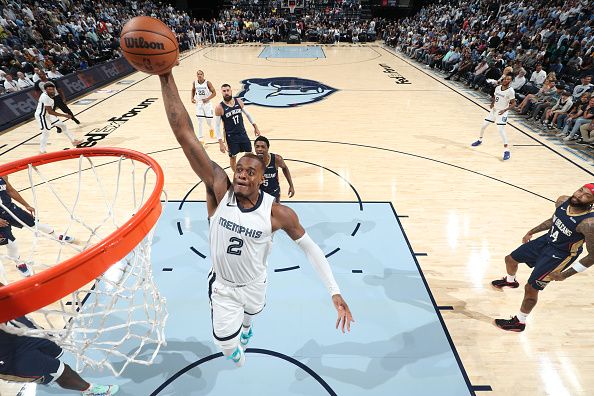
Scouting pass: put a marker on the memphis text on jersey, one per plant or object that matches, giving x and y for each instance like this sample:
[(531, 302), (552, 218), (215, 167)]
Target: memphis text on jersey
[(132, 42), (241, 230), (559, 224)]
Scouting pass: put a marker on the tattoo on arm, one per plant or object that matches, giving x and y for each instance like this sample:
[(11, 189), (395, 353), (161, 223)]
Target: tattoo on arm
[(545, 225)]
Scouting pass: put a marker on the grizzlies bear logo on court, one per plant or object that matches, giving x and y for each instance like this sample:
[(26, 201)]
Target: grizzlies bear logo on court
[(283, 91)]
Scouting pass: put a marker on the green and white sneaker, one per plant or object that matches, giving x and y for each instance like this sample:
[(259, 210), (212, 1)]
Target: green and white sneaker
[(244, 338), (238, 357), (101, 390)]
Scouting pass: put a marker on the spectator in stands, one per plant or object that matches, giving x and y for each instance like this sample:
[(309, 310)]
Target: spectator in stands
[(560, 108), (576, 111), (585, 118), (24, 81), (10, 85), (538, 76), (519, 80), (585, 86)]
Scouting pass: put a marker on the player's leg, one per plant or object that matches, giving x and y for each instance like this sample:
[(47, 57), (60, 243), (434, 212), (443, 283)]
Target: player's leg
[(254, 296), (200, 116), (526, 253), (227, 318), (45, 133), (56, 122), (208, 116), (19, 216), (233, 149), (490, 119), (501, 121)]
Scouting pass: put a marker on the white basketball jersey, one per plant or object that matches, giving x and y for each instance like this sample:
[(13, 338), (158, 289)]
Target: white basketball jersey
[(241, 239), (202, 91), (502, 98), (44, 100)]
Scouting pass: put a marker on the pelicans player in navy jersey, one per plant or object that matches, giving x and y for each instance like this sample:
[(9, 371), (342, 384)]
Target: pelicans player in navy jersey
[(503, 100), (272, 162), (242, 222), (202, 93), (552, 255), (12, 215), (230, 111)]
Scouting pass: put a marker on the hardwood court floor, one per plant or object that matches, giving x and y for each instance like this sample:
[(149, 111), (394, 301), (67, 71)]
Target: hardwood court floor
[(404, 143)]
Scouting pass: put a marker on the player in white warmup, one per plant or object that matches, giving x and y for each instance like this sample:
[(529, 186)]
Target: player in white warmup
[(202, 92), (242, 222), (503, 100), (47, 118)]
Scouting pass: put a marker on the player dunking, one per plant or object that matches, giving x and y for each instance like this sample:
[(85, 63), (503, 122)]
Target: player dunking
[(230, 110), (503, 100), (47, 118), (202, 93), (242, 222), (9, 213), (551, 254), (273, 162)]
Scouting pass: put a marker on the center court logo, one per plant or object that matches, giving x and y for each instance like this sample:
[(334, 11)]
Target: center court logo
[(283, 91)]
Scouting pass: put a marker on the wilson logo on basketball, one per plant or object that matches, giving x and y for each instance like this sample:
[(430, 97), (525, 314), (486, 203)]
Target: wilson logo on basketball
[(132, 42)]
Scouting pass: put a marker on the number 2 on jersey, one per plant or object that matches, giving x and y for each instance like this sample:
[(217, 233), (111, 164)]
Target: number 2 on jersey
[(235, 247)]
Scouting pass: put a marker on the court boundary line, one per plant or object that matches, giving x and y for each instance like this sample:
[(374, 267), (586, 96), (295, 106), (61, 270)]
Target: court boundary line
[(482, 107)]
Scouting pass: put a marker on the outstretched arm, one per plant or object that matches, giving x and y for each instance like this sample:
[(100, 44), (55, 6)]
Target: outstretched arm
[(14, 194), (214, 177), (286, 219), (545, 225), (249, 117), (281, 163)]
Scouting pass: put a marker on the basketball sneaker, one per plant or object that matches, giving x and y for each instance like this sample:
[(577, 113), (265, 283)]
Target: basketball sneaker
[(101, 390), (244, 338), (512, 324), (477, 143), (65, 238), (506, 155), (501, 283), (238, 357), (24, 269)]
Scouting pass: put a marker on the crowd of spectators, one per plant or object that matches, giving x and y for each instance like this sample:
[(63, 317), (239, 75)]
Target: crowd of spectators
[(62, 36), (547, 46)]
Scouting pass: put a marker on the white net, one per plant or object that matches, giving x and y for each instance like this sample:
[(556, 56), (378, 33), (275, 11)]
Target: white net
[(117, 318)]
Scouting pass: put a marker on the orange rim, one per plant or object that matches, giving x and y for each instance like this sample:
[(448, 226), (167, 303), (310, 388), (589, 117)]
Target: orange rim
[(30, 294)]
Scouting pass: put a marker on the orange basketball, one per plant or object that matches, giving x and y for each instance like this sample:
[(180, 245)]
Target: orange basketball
[(149, 45)]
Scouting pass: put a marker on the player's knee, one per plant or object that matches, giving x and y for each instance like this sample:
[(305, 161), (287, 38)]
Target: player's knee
[(530, 291), (510, 260)]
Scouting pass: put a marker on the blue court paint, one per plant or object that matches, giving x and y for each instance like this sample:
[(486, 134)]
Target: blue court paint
[(302, 51), (397, 346)]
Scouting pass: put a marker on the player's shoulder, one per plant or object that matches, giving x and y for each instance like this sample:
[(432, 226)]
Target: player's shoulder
[(561, 199), (283, 213)]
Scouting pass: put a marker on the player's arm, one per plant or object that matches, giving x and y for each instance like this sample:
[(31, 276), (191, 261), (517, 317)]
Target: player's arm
[(545, 225), (212, 90), (214, 177), (492, 102), (586, 228), (249, 117), (218, 113), (51, 111), (281, 163), (193, 99), (286, 219), (14, 194), (512, 104)]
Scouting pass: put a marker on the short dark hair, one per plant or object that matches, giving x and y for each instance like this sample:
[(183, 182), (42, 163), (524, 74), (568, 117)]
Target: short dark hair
[(262, 139), (254, 156), (225, 85), (49, 84)]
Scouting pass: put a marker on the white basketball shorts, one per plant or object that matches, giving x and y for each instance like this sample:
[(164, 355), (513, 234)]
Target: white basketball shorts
[(204, 109), (494, 116)]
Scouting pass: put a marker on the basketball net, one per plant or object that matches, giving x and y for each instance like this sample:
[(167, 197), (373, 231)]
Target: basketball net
[(117, 318)]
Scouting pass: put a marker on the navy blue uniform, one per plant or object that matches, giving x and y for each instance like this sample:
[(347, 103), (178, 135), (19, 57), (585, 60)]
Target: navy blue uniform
[(555, 250), (24, 216), (29, 359), (271, 185), (237, 138)]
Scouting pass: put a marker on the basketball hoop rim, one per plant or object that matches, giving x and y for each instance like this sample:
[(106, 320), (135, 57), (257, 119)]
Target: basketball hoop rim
[(35, 292)]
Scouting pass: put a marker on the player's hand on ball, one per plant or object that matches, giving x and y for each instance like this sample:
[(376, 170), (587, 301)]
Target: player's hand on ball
[(344, 313), (222, 147), (527, 238)]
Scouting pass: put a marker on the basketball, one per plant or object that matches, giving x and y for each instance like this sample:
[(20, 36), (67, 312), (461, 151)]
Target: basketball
[(149, 45)]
